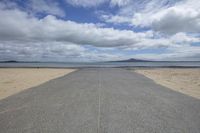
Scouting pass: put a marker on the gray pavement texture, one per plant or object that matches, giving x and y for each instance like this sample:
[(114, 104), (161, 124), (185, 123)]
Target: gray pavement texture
[(100, 100)]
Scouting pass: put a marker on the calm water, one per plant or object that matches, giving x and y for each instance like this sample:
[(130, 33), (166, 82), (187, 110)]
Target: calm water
[(105, 64)]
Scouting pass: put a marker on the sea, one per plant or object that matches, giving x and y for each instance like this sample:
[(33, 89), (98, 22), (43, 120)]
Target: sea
[(183, 64)]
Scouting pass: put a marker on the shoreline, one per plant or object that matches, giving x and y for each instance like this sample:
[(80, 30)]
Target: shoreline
[(126, 67), (78, 65)]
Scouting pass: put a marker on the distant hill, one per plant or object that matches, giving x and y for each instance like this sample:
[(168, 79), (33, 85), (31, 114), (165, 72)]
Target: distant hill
[(13, 61), (132, 60), (10, 61)]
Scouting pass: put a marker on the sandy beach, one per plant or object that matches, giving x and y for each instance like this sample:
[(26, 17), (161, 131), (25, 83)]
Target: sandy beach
[(14, 80), (186, 81)]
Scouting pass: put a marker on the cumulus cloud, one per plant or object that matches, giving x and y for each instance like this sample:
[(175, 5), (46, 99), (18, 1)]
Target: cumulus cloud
[(30, 38), (184, 53), (25, 36), (177, 19), (164, 16), (28, 28), (182, 17), (53, 51), (39, 50)]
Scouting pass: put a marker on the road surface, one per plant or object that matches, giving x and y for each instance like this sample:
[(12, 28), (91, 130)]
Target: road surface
[(100, 100)]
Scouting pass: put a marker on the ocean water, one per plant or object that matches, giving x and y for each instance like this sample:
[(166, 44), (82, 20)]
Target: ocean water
[(103, 64)]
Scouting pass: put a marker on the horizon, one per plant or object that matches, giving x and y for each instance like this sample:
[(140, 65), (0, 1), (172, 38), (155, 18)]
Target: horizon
[(126, 60), (99, 30)]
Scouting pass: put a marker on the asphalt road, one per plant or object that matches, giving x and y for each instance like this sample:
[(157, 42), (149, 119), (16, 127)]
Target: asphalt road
[(100, 100)]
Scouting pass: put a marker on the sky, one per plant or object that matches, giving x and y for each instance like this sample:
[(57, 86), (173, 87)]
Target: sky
[(99, 30)]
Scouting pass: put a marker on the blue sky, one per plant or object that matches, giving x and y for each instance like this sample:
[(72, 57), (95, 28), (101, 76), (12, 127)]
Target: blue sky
[(99, 30)]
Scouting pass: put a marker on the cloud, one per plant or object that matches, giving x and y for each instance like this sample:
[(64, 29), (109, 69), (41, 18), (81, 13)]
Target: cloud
[(39, 50), (182, 17), (53, 51), (120, 2), (165, 16), (25, 36), (86, 3), (184, 53), (177, 19), (28, 28), (115, 19), (35, 7), (49, 38), (45, 6), (95, 3)]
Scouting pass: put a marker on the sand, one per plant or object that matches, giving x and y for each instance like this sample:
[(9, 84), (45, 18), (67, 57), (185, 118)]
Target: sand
[(15, 80), (186, 81)]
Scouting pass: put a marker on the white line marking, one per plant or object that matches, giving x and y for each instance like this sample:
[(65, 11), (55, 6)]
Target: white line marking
[(99, 100)]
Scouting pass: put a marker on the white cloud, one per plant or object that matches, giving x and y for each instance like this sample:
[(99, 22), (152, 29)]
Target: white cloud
[(29, 28), (175, 41), (52, 51), (45, 6), (95, 3), (34, 7), (184, 38), (24, 36), (177, 19), (184, 53), (116, 19), (86, 3), (166, 16), (120, 2), (39, 50)]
